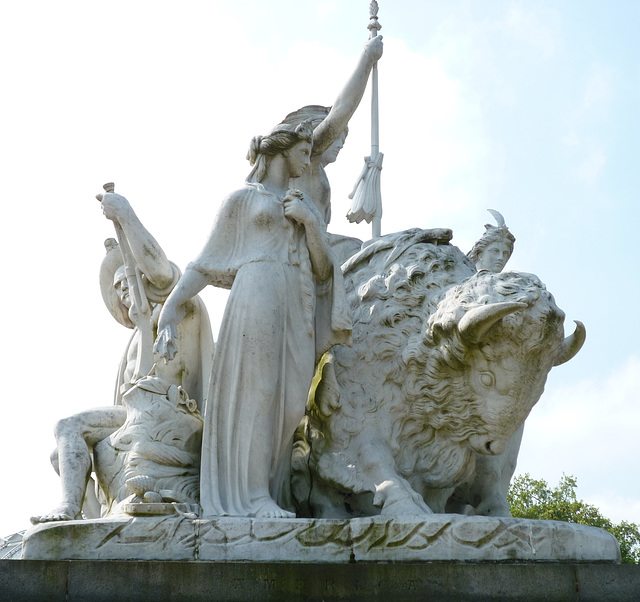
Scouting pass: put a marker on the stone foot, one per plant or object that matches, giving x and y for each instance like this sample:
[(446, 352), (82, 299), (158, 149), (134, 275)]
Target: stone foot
[(60, 513), (271, 510)]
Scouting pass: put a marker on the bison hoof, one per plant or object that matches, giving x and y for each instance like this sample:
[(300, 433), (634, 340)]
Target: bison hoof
[(404, 507), (497, 509), (399, 501)]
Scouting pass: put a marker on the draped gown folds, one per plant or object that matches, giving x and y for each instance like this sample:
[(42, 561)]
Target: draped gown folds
[(278, 320)]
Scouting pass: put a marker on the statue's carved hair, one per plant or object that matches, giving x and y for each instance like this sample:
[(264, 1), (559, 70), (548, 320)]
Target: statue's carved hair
[(281, 138), (315, 114)]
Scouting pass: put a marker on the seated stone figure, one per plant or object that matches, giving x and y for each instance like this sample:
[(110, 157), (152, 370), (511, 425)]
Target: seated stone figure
[(154, 278)]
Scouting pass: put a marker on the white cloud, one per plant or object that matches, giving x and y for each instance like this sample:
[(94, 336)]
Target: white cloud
[(587, 134), (593, 164), (533, 27), (598, 90)]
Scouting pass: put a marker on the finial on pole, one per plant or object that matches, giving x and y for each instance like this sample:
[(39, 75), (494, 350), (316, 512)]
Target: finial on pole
[(374, 26)]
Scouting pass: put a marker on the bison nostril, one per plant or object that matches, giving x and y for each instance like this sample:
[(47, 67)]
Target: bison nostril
[(487, 446)]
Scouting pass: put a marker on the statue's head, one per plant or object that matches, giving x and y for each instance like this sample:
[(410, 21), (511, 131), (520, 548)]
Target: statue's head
[(121, 286), (284, 137), (316, 114), (113, 284), (494, 248)]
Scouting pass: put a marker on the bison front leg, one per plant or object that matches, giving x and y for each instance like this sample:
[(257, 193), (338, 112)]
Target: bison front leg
[(392, 493), (493, 476), (486, 493)]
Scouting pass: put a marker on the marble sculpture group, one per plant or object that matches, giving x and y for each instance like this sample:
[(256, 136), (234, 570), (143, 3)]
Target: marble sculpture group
[(349, 379)]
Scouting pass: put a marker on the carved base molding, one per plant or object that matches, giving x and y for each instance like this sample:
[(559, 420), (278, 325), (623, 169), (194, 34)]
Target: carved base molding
[(439, 537)]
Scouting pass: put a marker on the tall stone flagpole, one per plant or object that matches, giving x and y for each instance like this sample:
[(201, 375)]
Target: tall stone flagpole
[(367, 200)]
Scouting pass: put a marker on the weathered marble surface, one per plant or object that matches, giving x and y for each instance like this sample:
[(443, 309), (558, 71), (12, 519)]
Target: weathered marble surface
[(443, 537), (330, 128)]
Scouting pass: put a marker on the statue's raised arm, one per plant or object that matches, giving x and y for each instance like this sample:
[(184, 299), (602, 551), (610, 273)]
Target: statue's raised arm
[(147, 253), (330, 129), (349, 98)]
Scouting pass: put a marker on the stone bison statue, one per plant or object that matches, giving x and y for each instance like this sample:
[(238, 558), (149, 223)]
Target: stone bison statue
[(424, 413)]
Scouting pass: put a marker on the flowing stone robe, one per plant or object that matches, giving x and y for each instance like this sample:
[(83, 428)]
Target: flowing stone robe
[(277, 322)]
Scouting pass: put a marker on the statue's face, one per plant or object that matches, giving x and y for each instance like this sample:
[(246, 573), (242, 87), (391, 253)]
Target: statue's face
[(331, 154), (122, 289), (493, 258), (298, 158)]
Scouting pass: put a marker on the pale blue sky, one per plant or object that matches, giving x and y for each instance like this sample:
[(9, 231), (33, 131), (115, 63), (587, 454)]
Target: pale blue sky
[(528, 108)]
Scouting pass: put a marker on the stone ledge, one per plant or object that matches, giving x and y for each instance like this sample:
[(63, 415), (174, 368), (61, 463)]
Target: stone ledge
[(438, 537), (137, 581)]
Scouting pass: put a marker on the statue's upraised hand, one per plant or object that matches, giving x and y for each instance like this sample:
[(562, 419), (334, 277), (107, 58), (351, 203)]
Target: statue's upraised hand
[(373, 48), (114, 206)]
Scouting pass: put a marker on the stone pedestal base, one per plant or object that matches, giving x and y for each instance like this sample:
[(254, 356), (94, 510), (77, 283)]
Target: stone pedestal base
[(438, 537), (141, 581)]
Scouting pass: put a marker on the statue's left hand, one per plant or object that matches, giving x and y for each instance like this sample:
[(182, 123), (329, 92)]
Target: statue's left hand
[(114, 206), (296, 209)]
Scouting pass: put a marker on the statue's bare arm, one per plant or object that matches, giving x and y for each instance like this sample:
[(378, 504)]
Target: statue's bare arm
[(148, 254), (173, 311), (349, 98)]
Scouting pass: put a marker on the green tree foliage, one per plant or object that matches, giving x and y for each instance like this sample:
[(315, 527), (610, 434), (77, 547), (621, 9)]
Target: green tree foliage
[(533, 498)]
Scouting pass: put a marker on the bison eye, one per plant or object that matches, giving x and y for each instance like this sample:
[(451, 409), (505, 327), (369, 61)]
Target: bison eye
[(487, 379)]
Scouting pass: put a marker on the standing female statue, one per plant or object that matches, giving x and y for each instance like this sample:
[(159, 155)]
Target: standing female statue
[(286, 307)]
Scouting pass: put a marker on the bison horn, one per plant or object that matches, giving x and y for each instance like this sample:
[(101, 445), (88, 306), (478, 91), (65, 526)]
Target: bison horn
[(476, 323), (572, 344)]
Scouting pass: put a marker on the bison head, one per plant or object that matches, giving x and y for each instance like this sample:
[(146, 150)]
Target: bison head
[(497, 336)]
